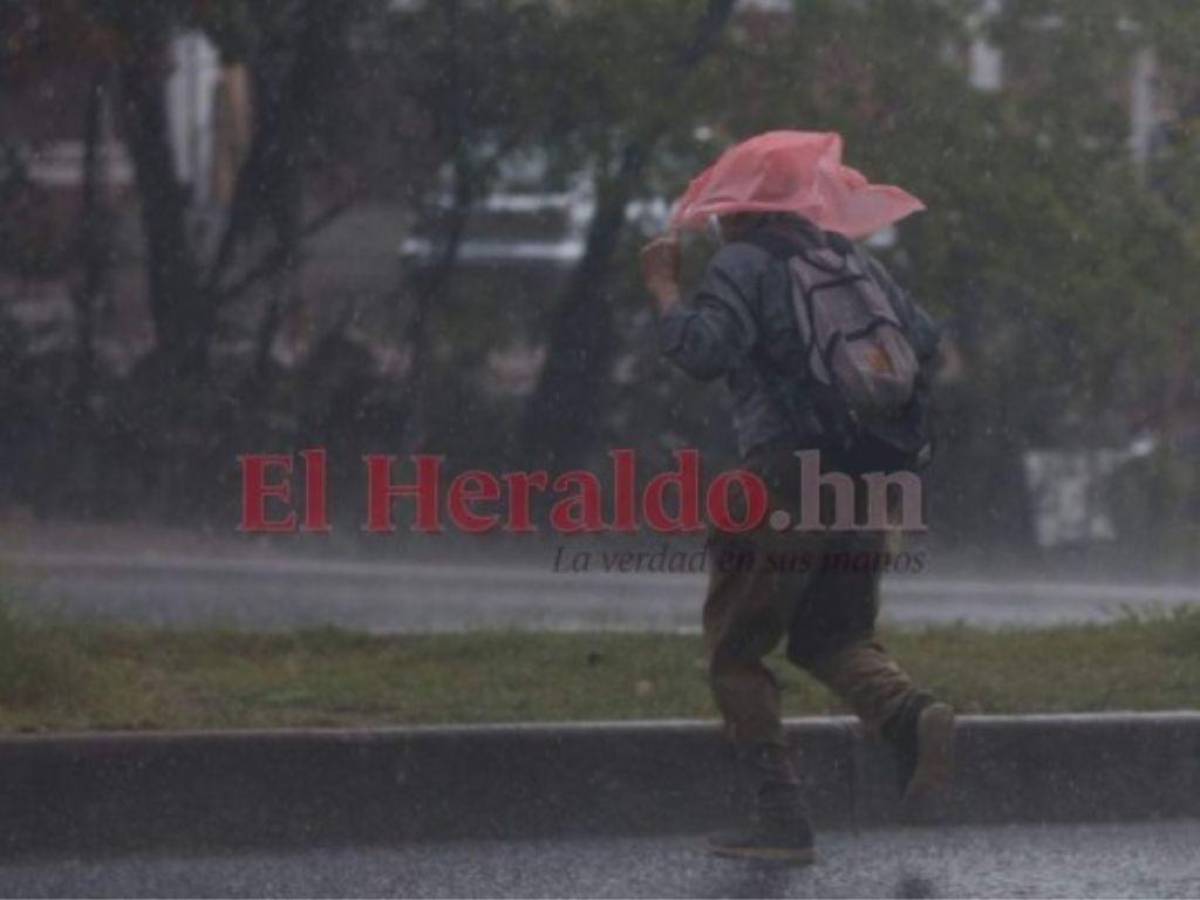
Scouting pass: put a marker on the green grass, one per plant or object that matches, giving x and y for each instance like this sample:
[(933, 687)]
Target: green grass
[(61, 676)]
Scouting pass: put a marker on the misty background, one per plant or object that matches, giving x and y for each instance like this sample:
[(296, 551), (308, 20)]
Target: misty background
[(236, 226)]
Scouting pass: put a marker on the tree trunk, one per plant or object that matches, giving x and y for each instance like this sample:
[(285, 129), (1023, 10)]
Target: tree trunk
[(563, 417), (182, 324), (93, 249)]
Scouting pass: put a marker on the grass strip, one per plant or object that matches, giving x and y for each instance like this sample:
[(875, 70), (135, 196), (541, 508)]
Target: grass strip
[(67, 676)]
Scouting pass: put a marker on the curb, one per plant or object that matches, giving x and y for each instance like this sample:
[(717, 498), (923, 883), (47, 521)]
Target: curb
[(116, 792)]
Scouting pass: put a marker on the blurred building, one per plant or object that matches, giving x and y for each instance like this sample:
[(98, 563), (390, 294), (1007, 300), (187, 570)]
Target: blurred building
[(210, 121), (43, 113)]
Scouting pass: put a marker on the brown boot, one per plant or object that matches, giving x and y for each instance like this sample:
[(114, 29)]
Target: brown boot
[(922, 735), (781, 830)]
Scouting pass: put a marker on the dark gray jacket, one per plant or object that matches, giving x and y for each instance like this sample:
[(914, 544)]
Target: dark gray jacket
[(744, 300)]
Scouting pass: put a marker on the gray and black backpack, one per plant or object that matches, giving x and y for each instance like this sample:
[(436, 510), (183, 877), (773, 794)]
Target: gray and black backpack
[(859, 353)]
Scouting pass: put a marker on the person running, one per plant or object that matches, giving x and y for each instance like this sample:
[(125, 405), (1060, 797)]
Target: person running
[(780, 314)]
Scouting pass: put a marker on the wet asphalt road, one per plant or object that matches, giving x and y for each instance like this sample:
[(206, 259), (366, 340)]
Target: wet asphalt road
[(1142, 860), (284, 592)]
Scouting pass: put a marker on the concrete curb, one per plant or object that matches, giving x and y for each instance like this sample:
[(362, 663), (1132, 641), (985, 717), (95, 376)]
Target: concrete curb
[(203, 791)]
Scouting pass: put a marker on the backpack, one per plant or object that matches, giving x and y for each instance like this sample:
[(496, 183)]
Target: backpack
[(858, 353)]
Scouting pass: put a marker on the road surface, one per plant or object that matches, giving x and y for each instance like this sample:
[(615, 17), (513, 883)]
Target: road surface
[(284, 592), (1141, 860)]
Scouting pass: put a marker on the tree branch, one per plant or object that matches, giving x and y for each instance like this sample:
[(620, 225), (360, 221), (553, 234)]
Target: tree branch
[(278, 257)]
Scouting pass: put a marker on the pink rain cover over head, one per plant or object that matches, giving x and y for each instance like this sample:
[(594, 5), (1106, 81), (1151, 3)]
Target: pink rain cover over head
[(798, 172)]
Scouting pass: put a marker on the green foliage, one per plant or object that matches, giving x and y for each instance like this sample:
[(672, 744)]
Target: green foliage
[(1062, 272)]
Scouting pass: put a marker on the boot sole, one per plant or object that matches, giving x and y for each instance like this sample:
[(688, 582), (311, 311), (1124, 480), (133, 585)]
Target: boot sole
[(796, 856), (935, 755)]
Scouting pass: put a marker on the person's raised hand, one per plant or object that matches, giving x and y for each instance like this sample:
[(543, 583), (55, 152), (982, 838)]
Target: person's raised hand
[(660, 269)]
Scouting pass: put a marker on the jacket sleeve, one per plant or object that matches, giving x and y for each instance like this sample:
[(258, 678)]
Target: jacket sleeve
[(711, 333)]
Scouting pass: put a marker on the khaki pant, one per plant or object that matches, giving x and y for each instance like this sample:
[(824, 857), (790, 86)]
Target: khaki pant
[(820, 590)]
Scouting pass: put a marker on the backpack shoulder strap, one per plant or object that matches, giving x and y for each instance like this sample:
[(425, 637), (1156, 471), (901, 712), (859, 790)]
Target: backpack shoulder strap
[(922, 330)]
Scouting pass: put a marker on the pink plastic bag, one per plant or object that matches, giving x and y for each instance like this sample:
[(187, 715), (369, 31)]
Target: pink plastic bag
[(799, 172)]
